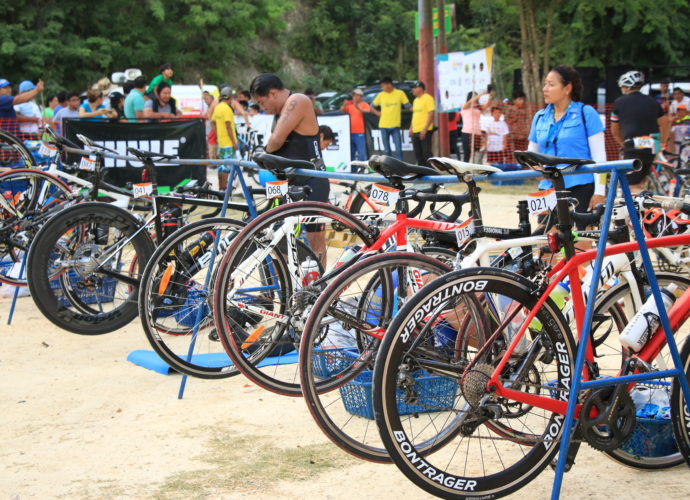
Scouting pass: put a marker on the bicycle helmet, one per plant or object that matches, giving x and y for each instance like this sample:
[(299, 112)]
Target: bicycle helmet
[(631, 79)]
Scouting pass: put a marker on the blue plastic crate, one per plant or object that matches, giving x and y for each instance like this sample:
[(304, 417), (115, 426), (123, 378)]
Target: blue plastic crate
[(103, 294), (652, 437), (186, 314)]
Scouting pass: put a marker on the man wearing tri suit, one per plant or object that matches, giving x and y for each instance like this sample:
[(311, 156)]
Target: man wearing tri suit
[(295, 135), (635, 117)]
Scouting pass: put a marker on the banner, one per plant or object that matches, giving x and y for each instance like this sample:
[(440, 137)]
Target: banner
[(336, 156), (375, 143), (459, 73), (183, 139)]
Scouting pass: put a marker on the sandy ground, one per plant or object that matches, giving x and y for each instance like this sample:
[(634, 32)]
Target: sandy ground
[(79, 421)]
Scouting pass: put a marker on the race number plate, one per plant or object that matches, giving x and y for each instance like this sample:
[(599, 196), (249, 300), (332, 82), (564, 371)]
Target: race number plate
[(47, 150), (644, 142), (87, 164), (384, 195), (143, 189), (541, 202), (276, 189), (465, 231)]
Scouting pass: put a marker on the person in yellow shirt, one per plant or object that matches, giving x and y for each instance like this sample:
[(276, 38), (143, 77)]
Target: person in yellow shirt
[(422, 125), (223, 124), (391, 102)]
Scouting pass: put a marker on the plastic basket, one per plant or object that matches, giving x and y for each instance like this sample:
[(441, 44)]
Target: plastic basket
[(102, 294), (434, 394), (186, 314)]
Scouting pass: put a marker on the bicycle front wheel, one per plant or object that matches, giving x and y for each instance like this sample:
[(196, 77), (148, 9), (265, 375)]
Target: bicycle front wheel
[(85, 265), (174, 300), (491, 445)]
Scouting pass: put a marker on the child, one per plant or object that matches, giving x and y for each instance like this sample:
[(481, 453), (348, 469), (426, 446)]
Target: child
[(496, 137)]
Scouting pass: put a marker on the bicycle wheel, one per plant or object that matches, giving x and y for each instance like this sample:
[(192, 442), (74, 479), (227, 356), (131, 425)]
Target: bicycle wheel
[(680, 416), (260, 304), (491, 445), (84, 268), (30, 197), (612, 313), (174, 289), (13, 152), (340, 340)]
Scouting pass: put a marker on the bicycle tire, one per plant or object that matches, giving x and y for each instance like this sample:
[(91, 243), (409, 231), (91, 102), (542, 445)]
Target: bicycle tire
[(336, 352), (462, 468), (35, 195), (610, 304), (168, 316), (680, 416), (274, 291), (13, 152), (74, 298)]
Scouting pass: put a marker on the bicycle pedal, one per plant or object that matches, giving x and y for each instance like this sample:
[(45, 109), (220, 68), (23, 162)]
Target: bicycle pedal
[(213, 336)]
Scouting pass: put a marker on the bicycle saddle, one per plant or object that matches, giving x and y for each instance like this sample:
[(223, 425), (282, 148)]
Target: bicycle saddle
[(392, 167), (59, 139), (456, 167), (272, 162), (536, 160), (149, 155)]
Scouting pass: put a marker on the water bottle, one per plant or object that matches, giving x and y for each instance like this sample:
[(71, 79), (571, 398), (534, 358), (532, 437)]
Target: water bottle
[(646, 321), (190, 254), (347, 255), (310, 271), (560, 296)]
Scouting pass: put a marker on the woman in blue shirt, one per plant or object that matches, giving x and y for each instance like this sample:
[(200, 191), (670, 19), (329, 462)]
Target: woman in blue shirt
[(93, 109), (566, 127)]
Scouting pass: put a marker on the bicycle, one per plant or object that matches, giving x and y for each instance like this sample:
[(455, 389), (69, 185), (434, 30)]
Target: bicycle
[(512, 389)]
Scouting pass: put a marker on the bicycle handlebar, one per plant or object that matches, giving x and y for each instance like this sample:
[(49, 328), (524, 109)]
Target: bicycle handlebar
[(588, 219)]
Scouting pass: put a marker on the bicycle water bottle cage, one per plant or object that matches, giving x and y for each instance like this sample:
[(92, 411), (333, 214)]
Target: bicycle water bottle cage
[(299, 193), (548, 164), (460, 168), (398, 171), (279, 165)]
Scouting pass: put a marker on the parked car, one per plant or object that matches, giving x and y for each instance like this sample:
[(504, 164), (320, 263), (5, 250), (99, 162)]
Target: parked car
[(370, 92)]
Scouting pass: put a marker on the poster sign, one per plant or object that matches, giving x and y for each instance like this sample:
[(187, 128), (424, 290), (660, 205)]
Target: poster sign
[(459, 73)]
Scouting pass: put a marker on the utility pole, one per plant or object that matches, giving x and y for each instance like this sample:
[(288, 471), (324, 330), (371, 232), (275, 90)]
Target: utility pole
[(426, 46)]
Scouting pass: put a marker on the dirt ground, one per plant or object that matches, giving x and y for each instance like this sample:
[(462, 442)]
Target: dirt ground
[(79, 421)]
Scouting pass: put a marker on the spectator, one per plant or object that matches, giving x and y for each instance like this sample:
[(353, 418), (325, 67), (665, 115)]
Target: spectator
[(518, 119), (680, 131), (244, 104), (8, 115), (127, 87), (496, 138), (223, 124), (453, 133), (254, 109), (664, 98), (471, 125), (318, 107), (296, 136), (62, 101), (356, 109), (326, 136), (634, 118), (135, 102), (28, 113), (679, 98), (391, 101), (93, 109), (117, 104), (237, 107), (49, 111), (568, 128), (422, 124), (70, 111), (162, 107), (208, 105), (166, 74)]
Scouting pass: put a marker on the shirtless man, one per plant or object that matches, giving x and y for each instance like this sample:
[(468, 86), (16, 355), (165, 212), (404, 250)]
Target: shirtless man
[(295, 135)]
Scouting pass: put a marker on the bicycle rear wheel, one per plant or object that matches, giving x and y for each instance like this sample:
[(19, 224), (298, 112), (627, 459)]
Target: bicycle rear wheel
[(31, 197), (341, 337), (680, 416), (491, 445), (175, 290), (260, 305), (85, 265)]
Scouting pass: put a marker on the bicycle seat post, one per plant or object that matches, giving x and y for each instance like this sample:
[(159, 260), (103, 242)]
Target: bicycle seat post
[(475, 208), (565, 223)]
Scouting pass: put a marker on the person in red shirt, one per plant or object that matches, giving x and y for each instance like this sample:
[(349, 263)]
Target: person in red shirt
[(355, 108), (453, 132)]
